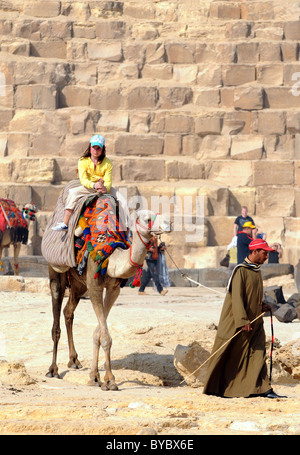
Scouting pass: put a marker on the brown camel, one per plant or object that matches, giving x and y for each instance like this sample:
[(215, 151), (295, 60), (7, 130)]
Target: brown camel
[(16, 228), (123, 263)]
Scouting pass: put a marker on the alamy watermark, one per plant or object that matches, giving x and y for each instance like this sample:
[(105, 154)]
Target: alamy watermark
[(186, 213), (296, 86)]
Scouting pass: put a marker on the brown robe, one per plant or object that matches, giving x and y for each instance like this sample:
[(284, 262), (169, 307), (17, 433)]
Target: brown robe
[(239, 369)]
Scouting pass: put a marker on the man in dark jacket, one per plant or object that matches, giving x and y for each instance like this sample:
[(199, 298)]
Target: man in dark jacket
[(244, 237)]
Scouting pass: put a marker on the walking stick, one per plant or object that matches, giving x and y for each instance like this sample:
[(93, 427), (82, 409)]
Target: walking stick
[(226, 342)]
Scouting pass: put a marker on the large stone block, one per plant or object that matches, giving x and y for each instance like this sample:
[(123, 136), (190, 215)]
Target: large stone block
[(240, 197), (254, 11), (220, 230), (183, 171), (236, 122), (246, 147), (139, 10), (280, 147), (266, 172), (208, 125), (214, 147), (180, 53), (19, 144), (27, 121), (225, 10), (280, 98), (269, 52), (29, 170), (42, 8), (186, 74), (274, 201), (216, 199), (173, 144), (209, 75), (111, 52), (291, 234), (49, 49), (269, 122), (179, 124), (110, 29), (5, 118), (270, 74), (113, 121), (109, 98), (232, 173), (174, 97), (207, 97), (143, 170), (72, 95), (140, 97), (289, 51), (45, 196), (20, 47), (272, 226), (162, 71), (292, 30), (155, 53), (249, 98), (44, 97), (247, 52), (291, 74), (139, 145), (238, 74)]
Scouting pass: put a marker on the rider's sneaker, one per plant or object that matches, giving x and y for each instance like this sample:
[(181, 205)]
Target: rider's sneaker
[(60, 227)]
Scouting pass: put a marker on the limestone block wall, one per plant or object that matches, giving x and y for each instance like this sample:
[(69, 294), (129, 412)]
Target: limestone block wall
[(198, 101)]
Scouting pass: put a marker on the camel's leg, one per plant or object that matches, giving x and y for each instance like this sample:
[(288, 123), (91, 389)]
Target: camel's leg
[(112, 293), (57, 288), (76, 292), (17, 247), (101, 334)]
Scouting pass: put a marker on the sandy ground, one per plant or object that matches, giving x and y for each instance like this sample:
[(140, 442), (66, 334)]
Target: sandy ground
[(152, 398)]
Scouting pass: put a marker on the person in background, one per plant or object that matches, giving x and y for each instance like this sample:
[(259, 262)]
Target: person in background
[(95, 175), (244, 237), (275, 255), (241, 220), (152, 269)]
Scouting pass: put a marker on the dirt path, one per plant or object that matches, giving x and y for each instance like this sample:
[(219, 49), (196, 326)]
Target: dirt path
[(151, 398)]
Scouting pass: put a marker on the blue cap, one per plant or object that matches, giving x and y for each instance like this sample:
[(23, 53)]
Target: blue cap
[(97, 140)]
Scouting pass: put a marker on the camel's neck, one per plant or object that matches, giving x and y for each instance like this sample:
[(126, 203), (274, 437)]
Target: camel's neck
[(123, 263), (139, 245)]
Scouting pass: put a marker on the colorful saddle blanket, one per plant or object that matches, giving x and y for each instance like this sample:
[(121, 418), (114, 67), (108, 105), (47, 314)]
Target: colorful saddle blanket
[(102, 233), (12, 218), (61, 249)]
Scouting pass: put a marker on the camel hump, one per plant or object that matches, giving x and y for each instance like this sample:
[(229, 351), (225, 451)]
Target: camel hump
[(58, 246)]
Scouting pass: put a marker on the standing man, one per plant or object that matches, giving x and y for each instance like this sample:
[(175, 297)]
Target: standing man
[(239, 369), (244, 238), (241, 220), (152, 269)]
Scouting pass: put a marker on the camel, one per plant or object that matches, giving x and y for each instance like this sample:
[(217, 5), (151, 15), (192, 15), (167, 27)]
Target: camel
[(9, 234), (123, 263)]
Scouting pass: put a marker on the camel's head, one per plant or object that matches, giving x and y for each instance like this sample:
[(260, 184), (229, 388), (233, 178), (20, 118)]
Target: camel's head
[(29, 211), (153, 223)]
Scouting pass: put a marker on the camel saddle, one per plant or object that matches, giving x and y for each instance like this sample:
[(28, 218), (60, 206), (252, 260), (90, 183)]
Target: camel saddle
[(100, 232), (12, 218)]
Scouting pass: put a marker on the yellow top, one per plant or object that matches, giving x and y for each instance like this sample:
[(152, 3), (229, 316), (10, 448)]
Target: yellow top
[(89, 174)]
